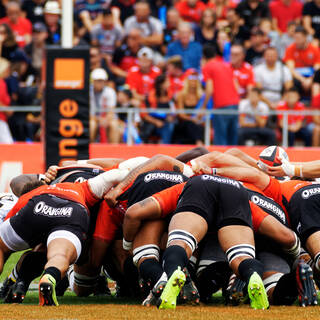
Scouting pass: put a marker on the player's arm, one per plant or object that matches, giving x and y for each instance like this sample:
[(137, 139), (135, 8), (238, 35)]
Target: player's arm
[(101, 162), (242, 156), (19, 182), (158, 162)]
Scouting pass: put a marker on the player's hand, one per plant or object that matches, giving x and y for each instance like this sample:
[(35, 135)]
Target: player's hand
[(276, 171), (51, 174), (111, 197), (199, 167)]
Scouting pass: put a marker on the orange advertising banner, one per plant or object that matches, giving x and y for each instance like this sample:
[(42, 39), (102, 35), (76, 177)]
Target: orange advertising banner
[(21, 158)]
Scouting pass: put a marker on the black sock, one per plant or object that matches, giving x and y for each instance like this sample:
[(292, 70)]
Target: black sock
[(151, 271), (248, 267), (54, 272), (285, 292), (174, 257), (31, 266), (131, 275)]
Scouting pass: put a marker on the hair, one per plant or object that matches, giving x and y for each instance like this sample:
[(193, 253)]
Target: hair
[(185, 89), (213, 14), (176, 61), (256, 90), (239, 44), (106, 12), (159, 81), (270, 48), (29, 186), (13, 3), (291, 23), (208, 51), (300, 29), (293, 89), (10, 40), (141, 1)]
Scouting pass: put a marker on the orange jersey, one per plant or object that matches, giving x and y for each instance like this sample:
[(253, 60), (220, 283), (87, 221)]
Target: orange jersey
[(307, 57), (245, 77), (76, 192)]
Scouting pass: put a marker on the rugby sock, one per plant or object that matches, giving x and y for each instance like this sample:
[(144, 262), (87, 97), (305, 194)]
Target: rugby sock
[(248, 267), (285, 292), (54, 272), (174, 257), (151, 271), (14, 274), (31, 266), (131, 274)]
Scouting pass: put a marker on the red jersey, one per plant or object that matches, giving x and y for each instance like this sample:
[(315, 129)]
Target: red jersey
[(307, 57), (20, 29), (285, 13), (76, 192), (143, 83), (299, 106), (224, 91), (4, 98), (190, 14), (175, 84), (245, 77)]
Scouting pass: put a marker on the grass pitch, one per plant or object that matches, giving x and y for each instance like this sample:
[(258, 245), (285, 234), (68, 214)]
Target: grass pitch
[(111, 308)]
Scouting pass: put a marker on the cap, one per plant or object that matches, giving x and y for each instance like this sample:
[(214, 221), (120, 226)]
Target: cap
[(146, 53), (39, 27), (99, 74), (52, 7)]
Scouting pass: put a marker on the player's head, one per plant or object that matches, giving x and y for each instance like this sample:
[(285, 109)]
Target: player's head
[(29, 186)]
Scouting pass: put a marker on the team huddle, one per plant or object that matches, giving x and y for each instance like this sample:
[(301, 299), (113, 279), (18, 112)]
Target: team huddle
[(168, 230)]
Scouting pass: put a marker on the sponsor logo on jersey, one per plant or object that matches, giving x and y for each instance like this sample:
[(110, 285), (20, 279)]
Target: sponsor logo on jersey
[(310, 192), (221, 180), (163, 176), (45, 210), (264, 204)]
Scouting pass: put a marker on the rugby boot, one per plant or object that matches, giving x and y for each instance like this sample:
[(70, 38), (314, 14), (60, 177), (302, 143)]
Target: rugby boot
[(17, 292), (305, 285), (47, 292), (168, 298), (257, 293), (234, 294), (189, 293), (154, 294), (62, 286), (7, 284), (102, 288)]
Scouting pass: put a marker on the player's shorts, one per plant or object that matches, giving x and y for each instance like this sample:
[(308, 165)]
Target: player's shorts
[(43, 219), (273, 262), (74, 174), (304, 209), (220, 201)]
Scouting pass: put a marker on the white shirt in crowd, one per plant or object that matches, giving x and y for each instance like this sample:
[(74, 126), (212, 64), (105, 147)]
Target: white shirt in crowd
[(246, 108), (272, 80), (107, 98), (153, 26)]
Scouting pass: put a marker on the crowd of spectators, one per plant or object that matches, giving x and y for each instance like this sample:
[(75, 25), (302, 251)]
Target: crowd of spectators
[(247, 55)]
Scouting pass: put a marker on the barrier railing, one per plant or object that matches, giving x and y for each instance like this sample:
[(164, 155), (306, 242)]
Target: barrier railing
[(206, 116)]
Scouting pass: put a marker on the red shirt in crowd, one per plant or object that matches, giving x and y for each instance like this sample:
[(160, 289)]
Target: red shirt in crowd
[(190, 14), (245, 77), (4, 98), (284, 13), (299, 106), (307, 57), (21, 28), (224, 90), (143, 83)]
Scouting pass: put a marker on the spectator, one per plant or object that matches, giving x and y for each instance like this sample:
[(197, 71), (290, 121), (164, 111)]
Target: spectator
[(189, 50), (239, 33), (89, 12), (5, 134), (284, 11), (242, 71), (311, 18), (296, 128), (21, 27), (151, 28), (220, 8), (271, 37), (189, 129), (206, 32), (35, 50), (223, 45), (220, 84), (157, 123), (8, 44), (251, 11), (302, 58), (287, 38), (101, 98), (255, 51), (170, 32), (122, 9), (190, 10), (106, 34), (175, 75), (141, 78), (272, 77), (253, 120), (2, 9), (51, 18), (33, 10), (314, 125)]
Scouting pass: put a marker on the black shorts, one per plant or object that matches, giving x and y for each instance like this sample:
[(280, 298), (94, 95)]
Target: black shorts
[(220, 201), (149, 183), (304, 211), (74, 174), (45, 214)]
